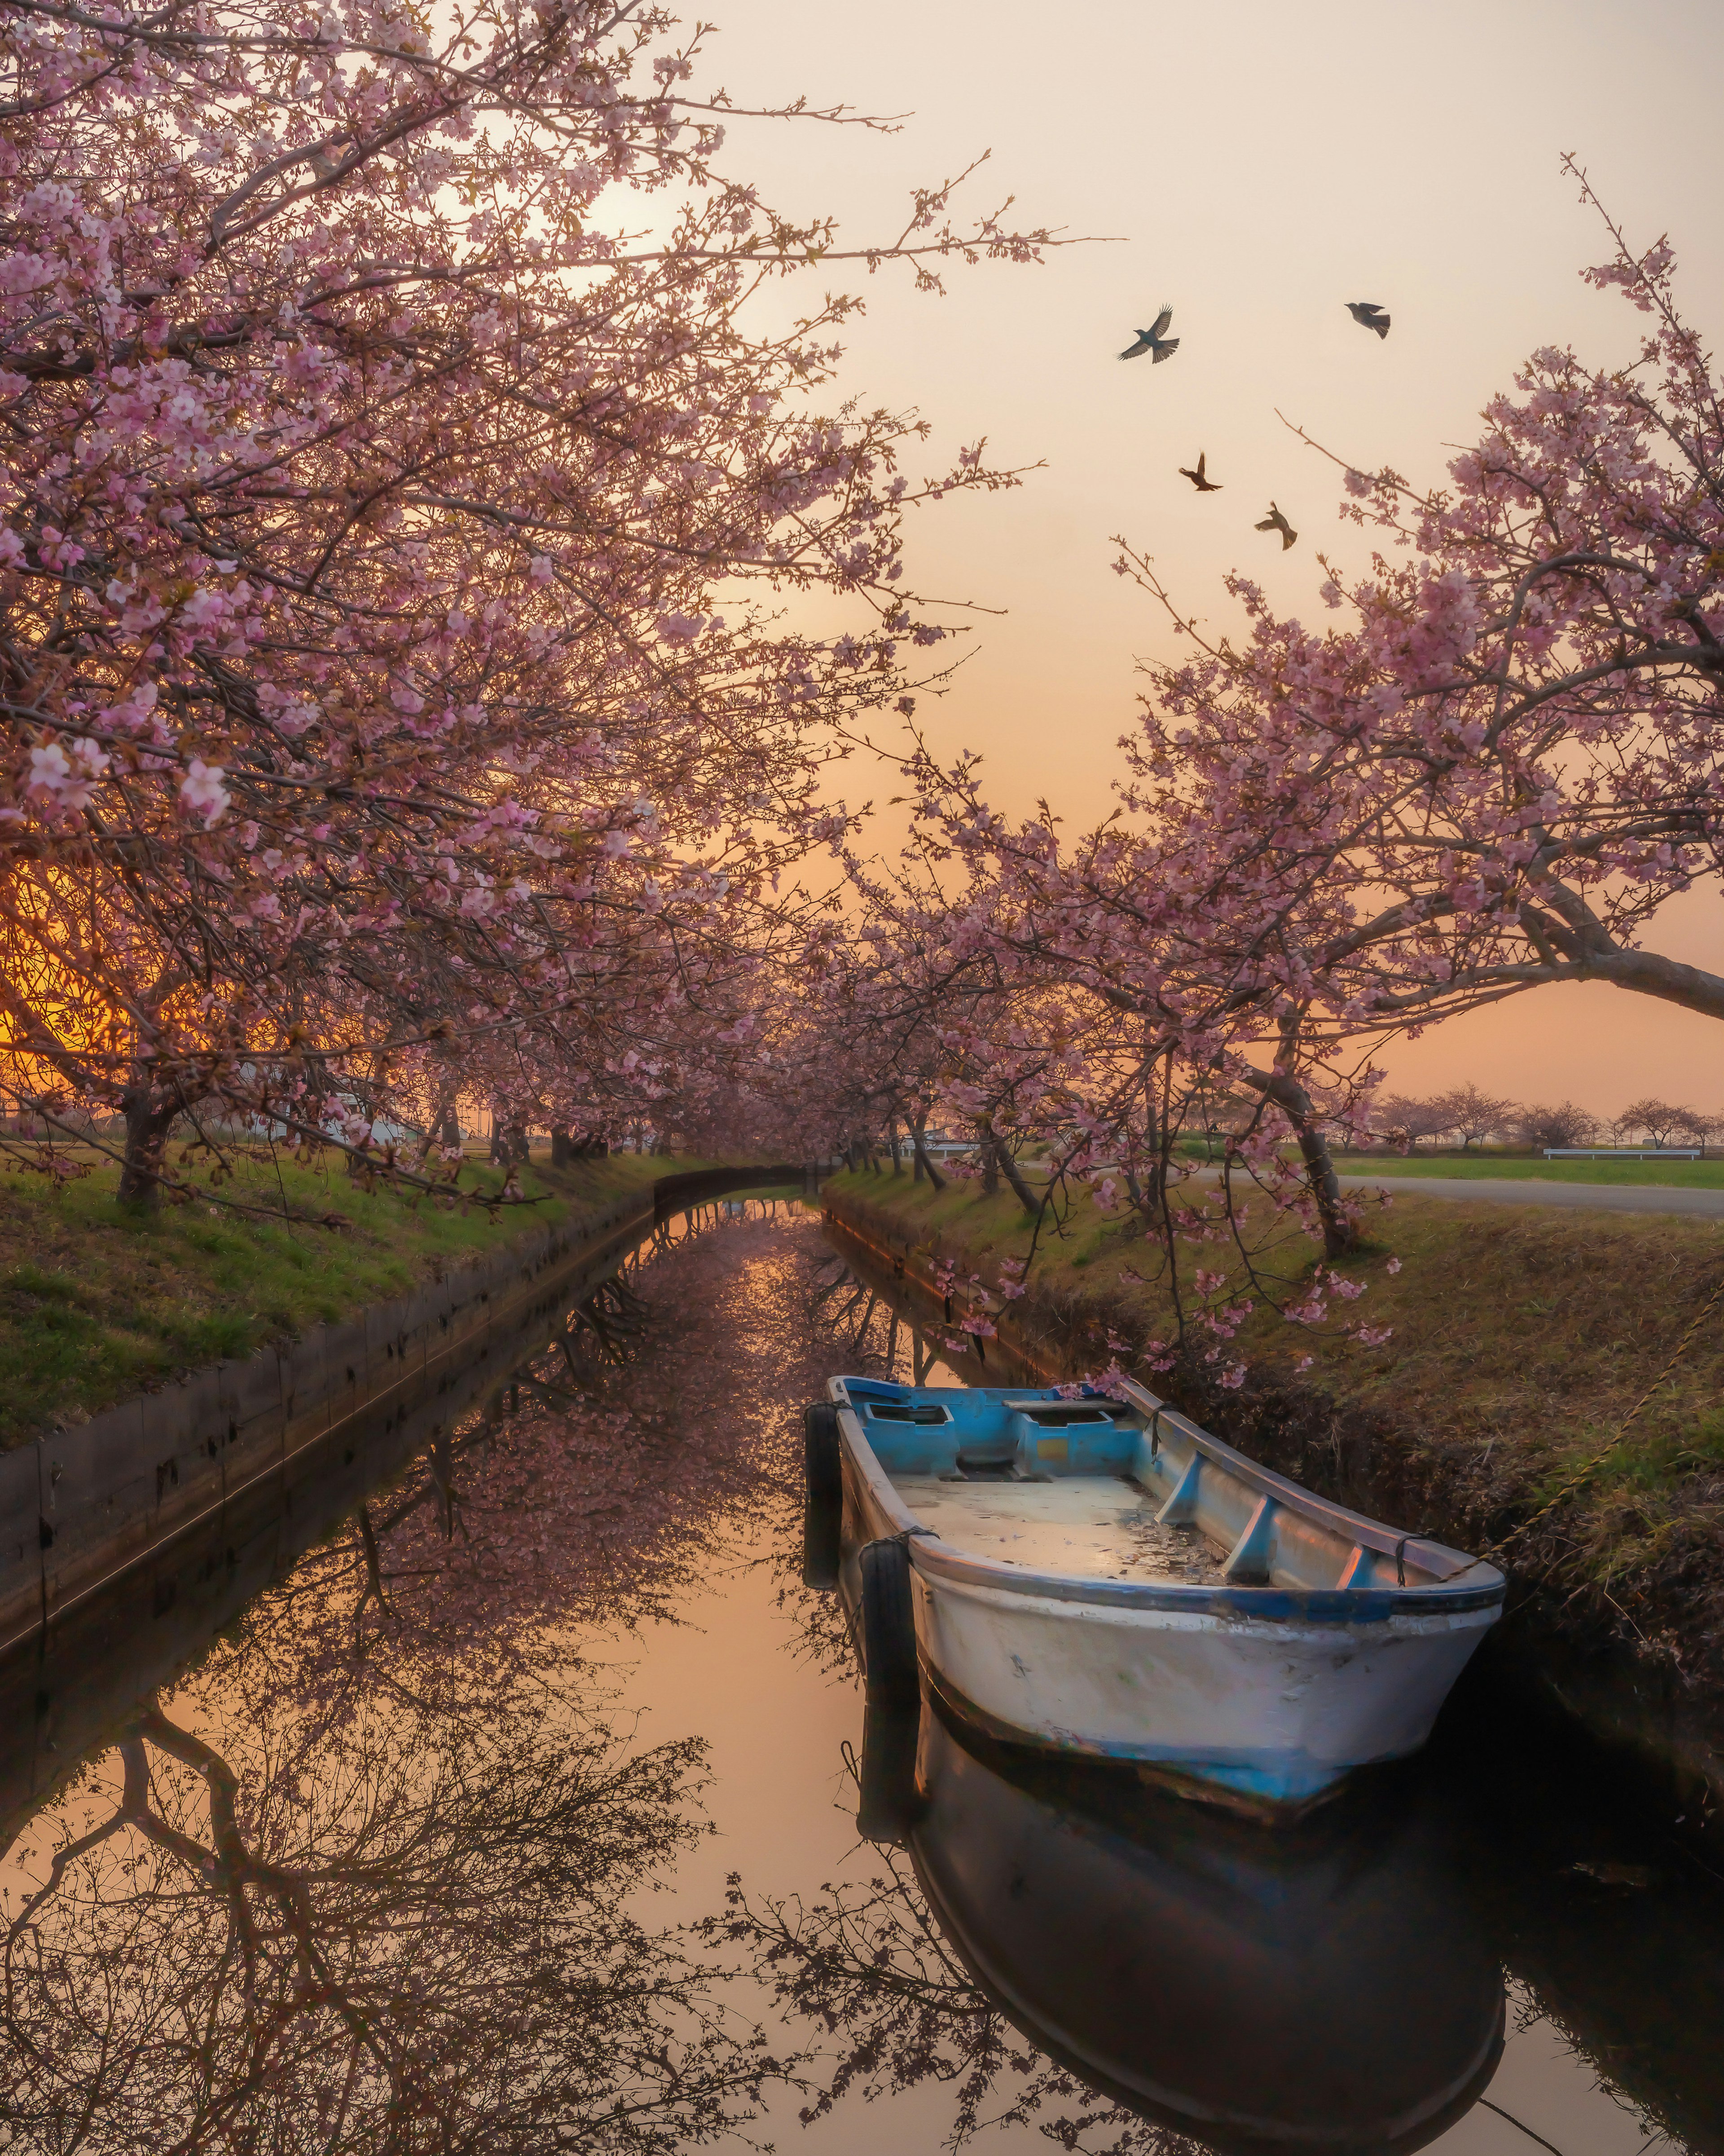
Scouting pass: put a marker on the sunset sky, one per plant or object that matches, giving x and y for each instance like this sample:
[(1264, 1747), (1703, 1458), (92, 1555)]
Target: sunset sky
[(1261, 165)]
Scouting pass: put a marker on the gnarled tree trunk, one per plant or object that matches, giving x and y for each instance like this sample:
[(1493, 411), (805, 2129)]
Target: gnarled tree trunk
[(924, 1162), (148, 1121), (1340, 1236)]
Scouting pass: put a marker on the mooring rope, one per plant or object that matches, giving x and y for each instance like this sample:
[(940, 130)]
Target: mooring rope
[(1592, 1466)]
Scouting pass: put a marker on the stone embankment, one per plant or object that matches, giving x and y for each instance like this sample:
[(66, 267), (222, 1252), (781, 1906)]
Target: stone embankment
[(129, 1538), (1638, 1698)]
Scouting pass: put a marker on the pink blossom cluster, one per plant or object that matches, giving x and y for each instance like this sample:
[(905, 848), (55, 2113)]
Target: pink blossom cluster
[(374, 724)]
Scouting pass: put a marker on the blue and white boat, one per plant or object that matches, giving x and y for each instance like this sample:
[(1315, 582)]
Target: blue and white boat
[(1101, 1576)]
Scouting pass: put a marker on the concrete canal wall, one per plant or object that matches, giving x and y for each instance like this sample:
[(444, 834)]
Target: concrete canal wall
[(1636, 1710), (131, 1538)]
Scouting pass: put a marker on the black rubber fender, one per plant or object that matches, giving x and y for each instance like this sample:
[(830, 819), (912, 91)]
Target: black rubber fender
[(888, 1802), (822, 1495), (889, 1629)]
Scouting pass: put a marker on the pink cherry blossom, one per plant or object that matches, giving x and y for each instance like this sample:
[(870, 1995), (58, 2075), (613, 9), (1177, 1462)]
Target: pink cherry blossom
[(202, 792), (377, 461)]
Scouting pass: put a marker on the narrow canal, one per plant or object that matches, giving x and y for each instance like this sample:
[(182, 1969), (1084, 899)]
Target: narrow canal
[(520, 1816)]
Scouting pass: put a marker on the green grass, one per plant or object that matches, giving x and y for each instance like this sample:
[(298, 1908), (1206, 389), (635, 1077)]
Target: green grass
[(1692, 1174), (97, 1302)]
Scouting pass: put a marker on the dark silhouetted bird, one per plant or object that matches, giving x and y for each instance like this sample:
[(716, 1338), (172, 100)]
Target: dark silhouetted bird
[(1202, 486), (1368, 316), (1275, 522), (1153, 341)]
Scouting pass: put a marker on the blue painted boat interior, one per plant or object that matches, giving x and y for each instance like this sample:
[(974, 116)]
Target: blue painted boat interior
[(1265, 1532), (923, 1431)]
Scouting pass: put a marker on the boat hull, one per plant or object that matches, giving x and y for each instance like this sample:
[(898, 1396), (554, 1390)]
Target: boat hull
[(1267, 1712), (1262, 1700)]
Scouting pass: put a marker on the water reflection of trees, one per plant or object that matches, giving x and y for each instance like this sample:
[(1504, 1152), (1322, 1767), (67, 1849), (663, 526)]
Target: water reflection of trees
[(582, 1493), (865, 1964), (377, 1876), (860, 1328), (406, 1938), (371, 1878)]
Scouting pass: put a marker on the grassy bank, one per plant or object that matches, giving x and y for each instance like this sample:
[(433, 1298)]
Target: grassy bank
[(97, 1303), (1521, 1341), (1512, 1168)]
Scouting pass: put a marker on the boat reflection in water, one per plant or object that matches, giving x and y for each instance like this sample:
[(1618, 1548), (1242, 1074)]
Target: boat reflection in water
[(1325, 1989)]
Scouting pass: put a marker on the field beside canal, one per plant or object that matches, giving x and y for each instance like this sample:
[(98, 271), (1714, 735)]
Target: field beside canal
[(1518, 1168), (1521, 1341), (97, 1302)]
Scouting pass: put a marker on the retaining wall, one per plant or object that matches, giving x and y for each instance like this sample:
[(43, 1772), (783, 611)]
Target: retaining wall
[(129, 1539), (81, 1505)]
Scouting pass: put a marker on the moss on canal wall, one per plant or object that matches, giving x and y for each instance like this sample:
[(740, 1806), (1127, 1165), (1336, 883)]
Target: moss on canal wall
[(1521, 1339), (97, 1302)]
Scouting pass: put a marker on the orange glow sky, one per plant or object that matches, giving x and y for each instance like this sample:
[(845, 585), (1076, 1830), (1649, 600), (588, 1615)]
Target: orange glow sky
[(1262, 164)]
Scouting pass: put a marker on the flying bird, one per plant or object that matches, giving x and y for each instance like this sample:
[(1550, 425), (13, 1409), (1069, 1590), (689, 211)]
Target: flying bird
[(1154, 341), (1202, 486), (1368, 316), (1275, 522)]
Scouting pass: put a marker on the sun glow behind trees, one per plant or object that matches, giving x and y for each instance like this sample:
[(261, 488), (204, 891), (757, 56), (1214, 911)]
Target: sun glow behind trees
[(366, 502)]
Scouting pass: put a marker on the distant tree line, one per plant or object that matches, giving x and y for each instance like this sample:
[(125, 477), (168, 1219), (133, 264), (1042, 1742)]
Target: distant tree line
[(1473, 1116)]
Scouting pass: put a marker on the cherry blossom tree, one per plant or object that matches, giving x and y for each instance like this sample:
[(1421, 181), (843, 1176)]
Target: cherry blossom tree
[(1473, 1114), (1664, 1123), (400, 476), (1497, 771), (1489, 778), (1404, 1118), (1071, 1021), (1562, 1125)]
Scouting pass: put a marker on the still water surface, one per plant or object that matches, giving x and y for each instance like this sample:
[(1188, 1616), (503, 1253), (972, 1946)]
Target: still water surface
[(522, 1817)]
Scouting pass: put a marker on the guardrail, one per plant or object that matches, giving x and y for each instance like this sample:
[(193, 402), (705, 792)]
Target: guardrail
[(1625, 1152)]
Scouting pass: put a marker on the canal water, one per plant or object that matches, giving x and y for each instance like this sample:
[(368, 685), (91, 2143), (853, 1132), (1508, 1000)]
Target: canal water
[(521, 1817)]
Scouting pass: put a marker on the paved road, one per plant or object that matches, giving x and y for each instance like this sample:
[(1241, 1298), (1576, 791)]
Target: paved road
[(1508, 1190)]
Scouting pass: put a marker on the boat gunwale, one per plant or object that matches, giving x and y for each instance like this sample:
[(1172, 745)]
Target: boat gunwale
[(1326, 1511), (941, 1561)]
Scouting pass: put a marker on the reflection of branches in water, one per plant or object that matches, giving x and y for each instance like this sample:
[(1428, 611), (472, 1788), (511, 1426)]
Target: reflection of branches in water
[(366, 1889), (370, 1939), (866, 1964), (583, 1495), (612, 1318), (849, 1317), (361, 1886)]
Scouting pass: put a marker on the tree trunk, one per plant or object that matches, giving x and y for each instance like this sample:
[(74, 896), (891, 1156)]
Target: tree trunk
[(562, 1149), (924, 1164), (1021, 1190), (1339, 1235), (147, 1127), (990, 1163), (996, 1153), (892, 1140)]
